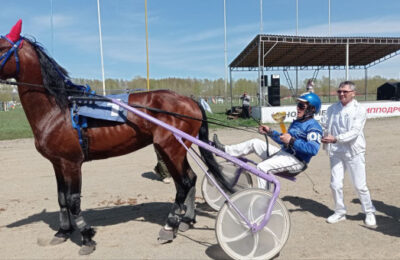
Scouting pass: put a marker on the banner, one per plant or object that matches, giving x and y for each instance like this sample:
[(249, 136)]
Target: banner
[(374, 110)]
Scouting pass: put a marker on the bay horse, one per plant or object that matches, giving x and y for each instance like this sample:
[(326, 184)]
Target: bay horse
[(44, 98)]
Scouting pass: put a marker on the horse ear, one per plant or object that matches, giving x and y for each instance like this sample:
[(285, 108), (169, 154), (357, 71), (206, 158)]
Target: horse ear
[(15, 32)]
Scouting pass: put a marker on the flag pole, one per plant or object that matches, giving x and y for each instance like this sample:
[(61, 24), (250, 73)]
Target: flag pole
[(101, 47), (147, 46)]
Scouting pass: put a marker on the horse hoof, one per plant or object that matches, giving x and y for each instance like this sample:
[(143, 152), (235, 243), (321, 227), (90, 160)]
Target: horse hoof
[(184, 226), (165, 236), (87, 249)]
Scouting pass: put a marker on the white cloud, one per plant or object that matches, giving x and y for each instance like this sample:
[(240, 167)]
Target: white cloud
[(59, 20)]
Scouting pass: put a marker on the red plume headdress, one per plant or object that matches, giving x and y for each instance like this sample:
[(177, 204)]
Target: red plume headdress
[(15, 32)]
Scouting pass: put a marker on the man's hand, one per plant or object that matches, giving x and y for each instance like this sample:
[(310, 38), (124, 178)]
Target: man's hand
[(329, 139), (263, 129), (285, 138)]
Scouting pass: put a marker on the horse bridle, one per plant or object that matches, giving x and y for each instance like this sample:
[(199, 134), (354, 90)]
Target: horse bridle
[(7, 55), (13, 50)]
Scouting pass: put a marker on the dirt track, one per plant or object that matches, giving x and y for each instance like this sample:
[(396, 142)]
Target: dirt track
[(128, 206)]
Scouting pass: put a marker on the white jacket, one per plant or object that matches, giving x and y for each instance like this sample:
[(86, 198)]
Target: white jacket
[(346, 123)]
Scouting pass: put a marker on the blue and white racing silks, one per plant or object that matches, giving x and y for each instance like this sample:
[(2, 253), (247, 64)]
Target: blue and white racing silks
[(308, 136)]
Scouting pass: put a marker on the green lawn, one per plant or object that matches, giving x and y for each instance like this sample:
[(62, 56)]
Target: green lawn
[(14, 125)]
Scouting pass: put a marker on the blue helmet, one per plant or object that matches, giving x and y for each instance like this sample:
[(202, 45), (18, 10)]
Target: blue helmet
[(311, 99)]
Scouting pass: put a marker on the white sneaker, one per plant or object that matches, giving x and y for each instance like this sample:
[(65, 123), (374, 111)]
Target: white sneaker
[(167, 180), (370, 219), (336, 217)]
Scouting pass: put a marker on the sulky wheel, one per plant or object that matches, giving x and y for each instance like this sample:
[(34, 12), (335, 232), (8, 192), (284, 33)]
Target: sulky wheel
[(236, 238), (212, 195)]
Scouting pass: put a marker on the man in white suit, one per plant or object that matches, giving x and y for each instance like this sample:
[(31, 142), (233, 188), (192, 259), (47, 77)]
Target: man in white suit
[(343, 126)]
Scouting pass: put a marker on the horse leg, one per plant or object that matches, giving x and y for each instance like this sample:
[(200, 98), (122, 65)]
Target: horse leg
[(189, 218), (70, 194), (66, 229), (182, 214)]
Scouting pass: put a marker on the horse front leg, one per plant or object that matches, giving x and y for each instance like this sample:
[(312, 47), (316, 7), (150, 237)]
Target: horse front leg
[(66, 229), (182, 214), (69, 196)]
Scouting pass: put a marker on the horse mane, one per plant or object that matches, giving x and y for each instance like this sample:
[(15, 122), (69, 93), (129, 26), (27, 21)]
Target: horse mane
[(52, 74)]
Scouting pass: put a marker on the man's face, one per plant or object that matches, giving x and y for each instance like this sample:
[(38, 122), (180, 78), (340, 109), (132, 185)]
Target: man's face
[(345, 94), (301, 109)]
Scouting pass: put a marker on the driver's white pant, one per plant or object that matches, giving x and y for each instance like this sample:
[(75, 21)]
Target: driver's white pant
[(356, 169), (279, 160)]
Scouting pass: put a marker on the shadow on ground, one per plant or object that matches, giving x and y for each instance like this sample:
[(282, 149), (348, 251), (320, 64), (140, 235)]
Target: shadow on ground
[(153, 212), (104, 216), (151, 176), (309, 205), (388, 223)]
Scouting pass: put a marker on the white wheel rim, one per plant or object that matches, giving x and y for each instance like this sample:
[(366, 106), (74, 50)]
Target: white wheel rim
[(232, 231)]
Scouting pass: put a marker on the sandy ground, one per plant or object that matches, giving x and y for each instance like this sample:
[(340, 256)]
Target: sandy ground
[(127, 204)]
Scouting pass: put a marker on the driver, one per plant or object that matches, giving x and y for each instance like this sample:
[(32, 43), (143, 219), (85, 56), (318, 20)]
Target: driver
[(298, 145)]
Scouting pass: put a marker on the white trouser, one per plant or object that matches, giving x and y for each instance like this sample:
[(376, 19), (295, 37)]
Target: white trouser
[(356, 168), (280, 161)]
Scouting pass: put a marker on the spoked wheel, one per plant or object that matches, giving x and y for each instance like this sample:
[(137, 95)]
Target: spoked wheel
[(236, 238), (212, 195)]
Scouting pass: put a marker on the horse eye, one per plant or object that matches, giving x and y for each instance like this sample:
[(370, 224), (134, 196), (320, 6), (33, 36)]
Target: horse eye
[(2, 46)]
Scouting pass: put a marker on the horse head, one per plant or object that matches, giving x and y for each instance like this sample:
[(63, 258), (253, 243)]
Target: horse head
[(9, 46), (27, 61)]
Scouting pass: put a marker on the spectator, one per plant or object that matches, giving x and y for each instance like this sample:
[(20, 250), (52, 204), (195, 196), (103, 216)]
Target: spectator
[(245, 105), (310, 86)]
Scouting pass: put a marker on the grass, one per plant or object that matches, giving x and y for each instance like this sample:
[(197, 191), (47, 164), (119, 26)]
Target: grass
[(14, 125), (221, 118)]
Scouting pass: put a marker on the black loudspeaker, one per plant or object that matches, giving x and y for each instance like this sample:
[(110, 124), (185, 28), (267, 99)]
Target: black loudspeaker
[(264, 80), (275, 80), (274, 95), (389, 91)]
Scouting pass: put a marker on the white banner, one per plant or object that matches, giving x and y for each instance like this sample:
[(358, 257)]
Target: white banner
[(374, 110)]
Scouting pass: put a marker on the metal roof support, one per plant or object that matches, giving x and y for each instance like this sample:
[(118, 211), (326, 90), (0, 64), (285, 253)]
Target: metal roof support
[(230, 84), (383, 59), (297, 80), (329, 85), (366, 82), (315, 74), (289, 81), (270, 49), (225, 51), (347, 60), (259, 72)]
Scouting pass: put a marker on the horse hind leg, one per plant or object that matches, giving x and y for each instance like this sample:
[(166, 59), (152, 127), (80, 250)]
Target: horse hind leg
[(189, 218)]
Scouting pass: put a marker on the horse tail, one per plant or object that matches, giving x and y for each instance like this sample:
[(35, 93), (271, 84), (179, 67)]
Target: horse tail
[(208, 156)]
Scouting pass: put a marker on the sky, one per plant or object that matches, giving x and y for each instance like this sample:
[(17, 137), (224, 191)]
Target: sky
[(186, 37)]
